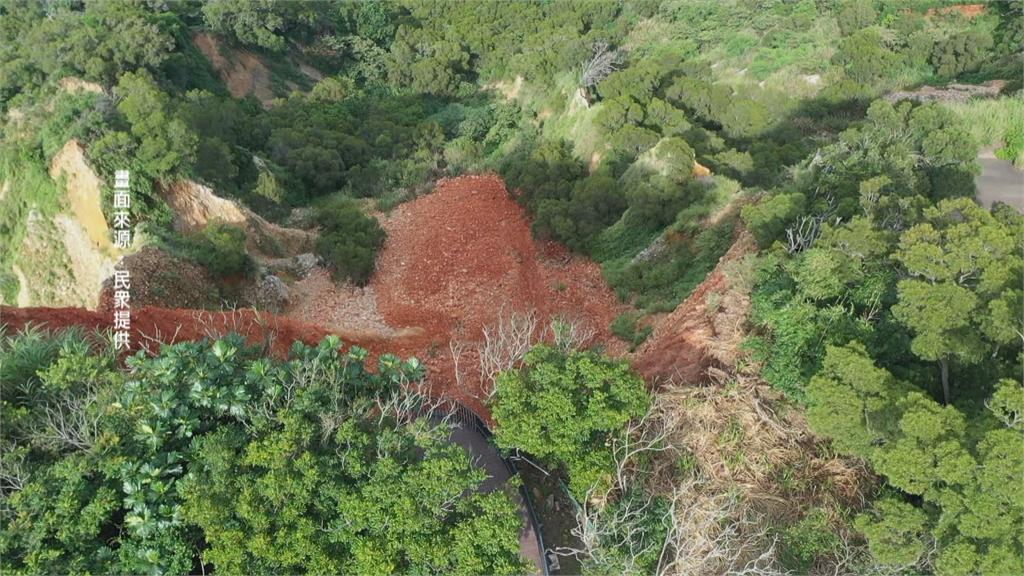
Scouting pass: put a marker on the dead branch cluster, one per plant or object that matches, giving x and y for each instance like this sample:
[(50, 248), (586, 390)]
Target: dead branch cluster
[(603, 61), (720, 512), (503, 344)]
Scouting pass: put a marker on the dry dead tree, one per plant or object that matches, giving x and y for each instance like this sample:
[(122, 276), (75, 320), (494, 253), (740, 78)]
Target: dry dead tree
[(805, 232), (618, 535), (71, 422), (710, 528), (603, 61), (506, 343), (715, 533), (231, 319), (569, 334), (13, 473), (150, 343), (646, 435), (413, 401), (457, 348), (612, 536)]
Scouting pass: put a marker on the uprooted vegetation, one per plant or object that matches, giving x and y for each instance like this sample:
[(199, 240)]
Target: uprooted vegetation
[(714, 480)]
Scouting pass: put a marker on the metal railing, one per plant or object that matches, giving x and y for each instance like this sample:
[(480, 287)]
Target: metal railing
[(466, 416)]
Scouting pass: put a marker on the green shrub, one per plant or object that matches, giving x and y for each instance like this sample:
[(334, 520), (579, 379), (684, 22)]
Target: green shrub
[(626, 328), (961, 52), (767, 220), (1013, 147), (856, 14), (562, 408), (659, 282), (215, 454), (462, 155), (28, 187), (808, 539), (220, 248), (348, 239)]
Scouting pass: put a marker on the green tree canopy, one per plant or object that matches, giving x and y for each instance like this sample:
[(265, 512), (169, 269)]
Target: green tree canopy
[(212, 456), (348, 240), (962, 297), (564, 408), (966, 475)]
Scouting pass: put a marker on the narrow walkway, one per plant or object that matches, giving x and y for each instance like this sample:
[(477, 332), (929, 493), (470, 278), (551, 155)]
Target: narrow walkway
[(485, 455)]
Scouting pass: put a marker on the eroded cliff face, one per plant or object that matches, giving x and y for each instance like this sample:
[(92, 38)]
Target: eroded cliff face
[(62, 261), (707, 328), (196, 205), (84, 191)]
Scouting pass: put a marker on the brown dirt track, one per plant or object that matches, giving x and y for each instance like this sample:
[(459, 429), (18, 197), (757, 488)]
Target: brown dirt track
[(168, 325)]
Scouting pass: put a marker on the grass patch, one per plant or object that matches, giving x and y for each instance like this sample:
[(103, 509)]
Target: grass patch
[(47, 266), (627, 328), (26, 186), (661, 282), (621, 240), (996, 123)]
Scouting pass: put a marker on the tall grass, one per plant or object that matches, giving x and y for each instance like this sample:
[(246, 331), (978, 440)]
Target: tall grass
[(996, 123)]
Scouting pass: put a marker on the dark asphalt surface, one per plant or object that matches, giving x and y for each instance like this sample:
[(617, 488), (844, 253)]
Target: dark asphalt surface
[(999, 181)]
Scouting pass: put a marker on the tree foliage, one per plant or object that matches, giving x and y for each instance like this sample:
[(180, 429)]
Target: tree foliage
[(209, 456), (964, 475), (348, 239), (220, 247), (563, 408), (961, 52), (962, 298)]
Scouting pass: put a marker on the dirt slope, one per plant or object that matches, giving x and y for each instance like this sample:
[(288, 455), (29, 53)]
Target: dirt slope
[(706, 329), (455, 257), (63, 260), (244, 73), (453, 260), (83, 191)]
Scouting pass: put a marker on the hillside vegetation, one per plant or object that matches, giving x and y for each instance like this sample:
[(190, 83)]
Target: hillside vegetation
[(875, 386)]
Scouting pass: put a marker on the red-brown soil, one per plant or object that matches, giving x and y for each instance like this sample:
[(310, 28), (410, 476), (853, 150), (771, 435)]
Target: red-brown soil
[(453, 261), (705, 330), (966, 10), (151, 324), (162, 280), (456, 258)]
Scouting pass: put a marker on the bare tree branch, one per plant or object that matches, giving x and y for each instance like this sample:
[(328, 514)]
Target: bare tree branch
[(505, 344), (603, 61)]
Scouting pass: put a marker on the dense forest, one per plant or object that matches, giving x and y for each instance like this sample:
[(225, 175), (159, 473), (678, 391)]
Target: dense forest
[(886, 303)]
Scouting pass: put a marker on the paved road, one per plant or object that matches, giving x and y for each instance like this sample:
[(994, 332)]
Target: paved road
[(486, 456), (999, 181)]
